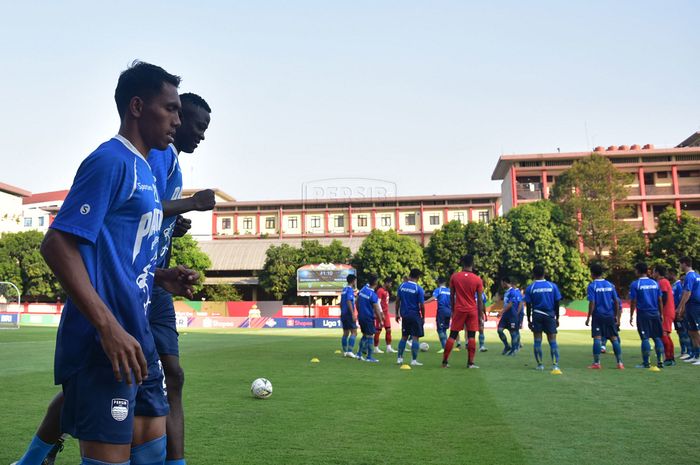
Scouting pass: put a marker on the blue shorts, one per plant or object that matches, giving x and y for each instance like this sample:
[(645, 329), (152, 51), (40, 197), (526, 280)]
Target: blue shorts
[(443, 322), (161, 316), (347, 321), (692, 317), (681, 326), (98, 408), (544, 324), (649, 326), (367, 327), (412, 326), (506, 321), (604, 326)]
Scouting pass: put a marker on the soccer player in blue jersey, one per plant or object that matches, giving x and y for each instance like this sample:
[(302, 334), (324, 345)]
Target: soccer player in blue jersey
[(680, 324), (347, 316), (605, 311), (410, 312), (645, 298), (368, 310), (103, 248), (482, 334), (510, 317), (444, 311), (689, 307), (542, 299)]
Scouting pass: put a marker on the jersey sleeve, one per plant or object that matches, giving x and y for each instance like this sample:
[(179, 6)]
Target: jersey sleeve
[(421, 295), (688, 282), (557, 294), (374, 298), (103, 182), (591, 292), (527, 298), (633, 291), (436, 292)]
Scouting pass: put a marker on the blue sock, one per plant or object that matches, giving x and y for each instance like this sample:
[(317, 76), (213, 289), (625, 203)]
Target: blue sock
[(659, 348), (597, 346), (362, 346), (402, 347), (415, 347), (503, 338), (149, 453), (515, 339), (87, 461), (554, 351), (603, 342), (344, 343), (482, 338), (36, 452), (538, 351), (351, 343), (370, 346), (646, 350), (618, 350), (443, 338), (176, 462)]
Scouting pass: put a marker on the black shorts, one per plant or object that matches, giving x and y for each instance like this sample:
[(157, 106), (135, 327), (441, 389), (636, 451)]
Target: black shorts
[(649, 327), (412, 327), (542, 323), (605, 327)]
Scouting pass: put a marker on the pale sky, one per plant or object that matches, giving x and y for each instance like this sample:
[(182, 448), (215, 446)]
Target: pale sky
[(424, 94)]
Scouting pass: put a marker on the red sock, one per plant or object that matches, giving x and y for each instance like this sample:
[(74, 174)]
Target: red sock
[(471, 347), (387, 336), (668, 347), (376, 338), (448, 348)]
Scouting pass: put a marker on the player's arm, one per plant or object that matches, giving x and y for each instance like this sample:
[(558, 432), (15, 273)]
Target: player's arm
[(591, 308), (633, 307), (398, 309), (661, 308), (201, 201), (664, 298), (177, 280), (556, 311), (421, 309), (618, 311), (681, 305), (481, 307), (60, 250), (528, 312)]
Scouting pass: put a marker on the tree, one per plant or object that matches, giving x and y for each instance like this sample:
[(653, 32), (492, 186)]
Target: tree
[(22, 263), (221, 293), (388, 254), (446, 247), (186, 251), (586, 192), (675, 237)]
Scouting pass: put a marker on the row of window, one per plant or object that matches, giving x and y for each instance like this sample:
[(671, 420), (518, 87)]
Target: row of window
[(28, 223), (339, 221)]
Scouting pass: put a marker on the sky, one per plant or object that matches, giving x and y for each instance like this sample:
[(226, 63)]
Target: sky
[(422, 95)]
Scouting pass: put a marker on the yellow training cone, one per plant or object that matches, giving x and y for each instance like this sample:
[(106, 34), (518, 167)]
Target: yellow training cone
[(338, 352), (405, 366), (315, 360), (653, 368), (556, 371)]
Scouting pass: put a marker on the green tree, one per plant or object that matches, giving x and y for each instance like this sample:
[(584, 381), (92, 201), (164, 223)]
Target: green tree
[(186, 252), (675, 237), (388, 254), (446, 247), (22, 263), (278, 276), (221, 293), (586, 193)]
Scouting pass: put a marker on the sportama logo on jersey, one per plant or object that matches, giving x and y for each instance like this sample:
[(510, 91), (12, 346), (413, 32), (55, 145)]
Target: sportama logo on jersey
[(120, 409)]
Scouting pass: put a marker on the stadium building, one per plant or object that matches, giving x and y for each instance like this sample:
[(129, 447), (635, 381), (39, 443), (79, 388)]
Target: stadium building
[(662, 177), (11, 214)]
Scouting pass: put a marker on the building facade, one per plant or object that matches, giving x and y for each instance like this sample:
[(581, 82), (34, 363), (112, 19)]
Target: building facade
[(11, 213)]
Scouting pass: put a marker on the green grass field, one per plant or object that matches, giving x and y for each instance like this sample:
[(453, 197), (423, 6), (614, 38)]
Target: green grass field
[(342, 411)]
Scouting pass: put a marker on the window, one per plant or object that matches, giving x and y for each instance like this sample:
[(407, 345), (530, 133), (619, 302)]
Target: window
[(27, 222), (41, 221), (386, 220), (362, 220), (226, 223), (339, 221), (459, 216), (293, 222), (434, 219), (315, 221), (662, 175), (247, 223), (411, 219), (484, 217), (270, 222)]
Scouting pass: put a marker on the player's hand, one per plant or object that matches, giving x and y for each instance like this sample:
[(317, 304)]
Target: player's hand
[(182, 225), (398, 319), (557, 322), (588, 320), (178, 280), (125, 354), (530, 325), (631, 323), (204, 200)]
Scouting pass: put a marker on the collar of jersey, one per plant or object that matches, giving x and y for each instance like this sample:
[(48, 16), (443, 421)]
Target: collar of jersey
[(129, 145), (174, 149)]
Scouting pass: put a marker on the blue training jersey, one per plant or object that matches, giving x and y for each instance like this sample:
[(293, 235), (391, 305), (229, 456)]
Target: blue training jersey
[(543, 296), (691, 283), (677, 292), (444, 302), (366, 299), (603, 294), (114, 210), (348, 295), (168, 175), (646, 292), (411, 296), (512, 296)]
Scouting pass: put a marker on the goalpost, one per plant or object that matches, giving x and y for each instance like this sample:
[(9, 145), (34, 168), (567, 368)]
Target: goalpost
[(10, 305)]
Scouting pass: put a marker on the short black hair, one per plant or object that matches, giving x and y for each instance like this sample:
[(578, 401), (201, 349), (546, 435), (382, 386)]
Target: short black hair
[(641, 268), (194, 100), (596, 269), (416, 273), (687, 261), (661, 270), (143, 80), (351, 277), (538, 271), (372, 279), (442, 280), (388, 280), (507, 280), (671, 273), (467, 260)]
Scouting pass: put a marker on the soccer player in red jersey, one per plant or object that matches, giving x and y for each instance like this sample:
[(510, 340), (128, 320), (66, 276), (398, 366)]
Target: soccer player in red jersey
[(466, 308), (669, 314), (383, 293)]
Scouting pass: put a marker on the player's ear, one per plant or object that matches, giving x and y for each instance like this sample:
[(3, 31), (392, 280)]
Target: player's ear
[(135, 107)]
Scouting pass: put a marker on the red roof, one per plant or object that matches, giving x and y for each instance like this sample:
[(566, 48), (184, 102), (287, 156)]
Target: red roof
[(14, 190), (45, 197)]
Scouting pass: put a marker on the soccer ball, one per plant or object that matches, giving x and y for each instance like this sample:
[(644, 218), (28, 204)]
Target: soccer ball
[(261, 388), (424, 347)]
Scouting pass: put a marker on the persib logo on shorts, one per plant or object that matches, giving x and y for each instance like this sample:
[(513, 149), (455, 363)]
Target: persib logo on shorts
[(120, 409)]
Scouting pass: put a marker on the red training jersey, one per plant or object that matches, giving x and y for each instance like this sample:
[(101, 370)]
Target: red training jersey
[(383, 295), (466, 286), (665, 286)]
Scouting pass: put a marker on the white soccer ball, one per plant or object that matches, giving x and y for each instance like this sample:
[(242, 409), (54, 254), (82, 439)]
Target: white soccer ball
[(261, 388), (424, 347)]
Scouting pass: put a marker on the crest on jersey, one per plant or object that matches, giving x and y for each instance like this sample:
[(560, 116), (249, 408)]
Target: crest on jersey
[(120, 409)]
